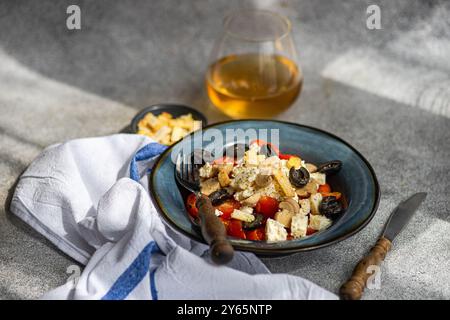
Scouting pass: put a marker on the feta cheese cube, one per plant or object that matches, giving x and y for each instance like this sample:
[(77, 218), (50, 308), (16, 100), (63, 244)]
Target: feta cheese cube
[(251, 201), (299, 225), (319, 178), (218, 213), (242, 215), (305, 206), (272, 162), (314, 202), (275, 231), (251, 158), (261, 158), (244, 177), (284, 168), (272, 191), (255, 146), (319, 222), (207, 171), (247, 209), (267, 171)]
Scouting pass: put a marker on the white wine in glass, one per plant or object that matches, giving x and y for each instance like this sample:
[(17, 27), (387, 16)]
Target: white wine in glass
[(253, 71)]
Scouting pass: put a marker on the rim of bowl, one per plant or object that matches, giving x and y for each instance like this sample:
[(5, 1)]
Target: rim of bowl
[(197, 115), (272, 251)]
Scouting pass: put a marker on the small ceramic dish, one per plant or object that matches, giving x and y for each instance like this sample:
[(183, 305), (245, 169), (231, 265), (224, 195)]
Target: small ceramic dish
[(356, 181), (175, 110)]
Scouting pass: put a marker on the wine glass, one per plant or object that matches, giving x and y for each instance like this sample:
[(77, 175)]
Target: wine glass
[(253, 70)]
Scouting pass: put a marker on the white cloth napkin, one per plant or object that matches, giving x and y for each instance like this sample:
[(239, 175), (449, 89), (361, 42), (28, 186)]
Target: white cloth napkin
[(79, 195)]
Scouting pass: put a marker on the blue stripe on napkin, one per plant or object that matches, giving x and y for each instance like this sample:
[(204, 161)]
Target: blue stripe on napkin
[(153, 290), (145, 153), (134, 274)]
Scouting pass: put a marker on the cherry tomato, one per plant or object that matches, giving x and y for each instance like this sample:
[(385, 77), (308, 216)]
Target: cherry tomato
[(286, 156), (337, 195), (235, 229), (226, 222), (324, 188), (228, 207), (260, 143), (190, 205), (310, 231), (256, 234), (268, 206)]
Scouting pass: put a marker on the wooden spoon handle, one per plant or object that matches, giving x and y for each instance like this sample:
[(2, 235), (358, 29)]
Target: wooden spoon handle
[(354, 287), (214, 232)]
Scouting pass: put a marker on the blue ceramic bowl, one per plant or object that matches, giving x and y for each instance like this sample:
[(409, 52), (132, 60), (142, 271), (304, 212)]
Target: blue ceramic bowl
[(356, 181)]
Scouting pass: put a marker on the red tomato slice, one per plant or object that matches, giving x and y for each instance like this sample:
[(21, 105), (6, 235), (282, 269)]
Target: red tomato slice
[(268, 206), (260, 143), (324, 188), (310, 231), (235, 229), (190, 205), (226, 222), (228, 207), (286, 156), (256, 234)]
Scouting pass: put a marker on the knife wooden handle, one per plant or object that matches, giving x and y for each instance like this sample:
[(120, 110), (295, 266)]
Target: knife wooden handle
[(354, 287), (214, 232)]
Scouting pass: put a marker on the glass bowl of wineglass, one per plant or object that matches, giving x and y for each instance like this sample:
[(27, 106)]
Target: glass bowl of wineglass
[(253, 70)]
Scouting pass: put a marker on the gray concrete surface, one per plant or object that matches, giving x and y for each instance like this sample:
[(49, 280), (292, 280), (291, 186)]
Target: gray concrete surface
[(58, 84)]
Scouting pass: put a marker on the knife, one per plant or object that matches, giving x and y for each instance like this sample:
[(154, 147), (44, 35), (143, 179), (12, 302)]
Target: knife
[(354, 287)]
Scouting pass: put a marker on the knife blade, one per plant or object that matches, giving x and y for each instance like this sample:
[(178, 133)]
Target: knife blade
[(354, 287), (402, 214)]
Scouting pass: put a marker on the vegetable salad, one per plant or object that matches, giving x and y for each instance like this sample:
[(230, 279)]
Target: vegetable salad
[(262, 194)]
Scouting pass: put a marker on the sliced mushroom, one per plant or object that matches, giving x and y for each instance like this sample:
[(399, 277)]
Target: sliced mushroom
[(209, 186), (302, 193), (310, 167), (251, 201), (263, 180), (290, 205), (284, 217), (305, 206)]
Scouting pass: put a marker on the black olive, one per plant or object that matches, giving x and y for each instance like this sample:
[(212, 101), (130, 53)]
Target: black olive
[(330, 207), (236, 151), (330, 167), (267, 150), (299, 177), (255, 224), (219, 196)]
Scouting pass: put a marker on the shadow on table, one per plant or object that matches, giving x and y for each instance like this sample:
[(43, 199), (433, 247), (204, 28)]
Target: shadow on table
[(24, 227), (134, 53)]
